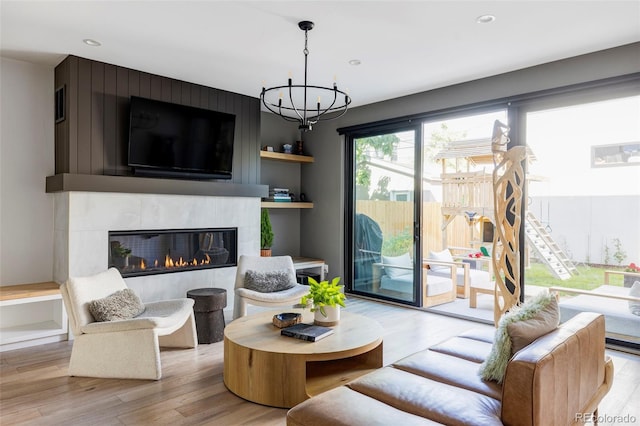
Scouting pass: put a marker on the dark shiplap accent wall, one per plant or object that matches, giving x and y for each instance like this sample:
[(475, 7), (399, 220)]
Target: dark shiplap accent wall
[(93, 138)]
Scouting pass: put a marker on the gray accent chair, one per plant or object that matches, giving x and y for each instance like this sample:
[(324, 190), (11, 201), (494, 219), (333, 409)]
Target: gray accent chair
[(245, 296)]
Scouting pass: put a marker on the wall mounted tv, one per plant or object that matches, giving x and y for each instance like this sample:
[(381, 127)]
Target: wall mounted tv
[(170, 140)]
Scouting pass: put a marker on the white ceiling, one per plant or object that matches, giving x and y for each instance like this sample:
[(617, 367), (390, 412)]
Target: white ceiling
[(404, 46)]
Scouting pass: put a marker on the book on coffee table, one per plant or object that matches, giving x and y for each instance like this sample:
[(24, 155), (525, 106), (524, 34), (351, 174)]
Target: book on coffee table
[(308, 332)]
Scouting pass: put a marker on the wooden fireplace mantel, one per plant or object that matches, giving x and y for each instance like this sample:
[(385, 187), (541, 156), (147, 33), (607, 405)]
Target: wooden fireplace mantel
[(142, 185)]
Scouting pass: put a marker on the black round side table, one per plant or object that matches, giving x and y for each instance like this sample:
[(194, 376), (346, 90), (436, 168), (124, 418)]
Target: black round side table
[(208, 309)]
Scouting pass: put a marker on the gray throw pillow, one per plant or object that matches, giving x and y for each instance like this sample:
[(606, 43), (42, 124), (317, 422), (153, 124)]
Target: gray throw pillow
[(121, 305), (634, 307), (269, 282)]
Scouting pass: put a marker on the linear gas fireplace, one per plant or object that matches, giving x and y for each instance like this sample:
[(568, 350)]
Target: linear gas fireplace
[(136, 253)]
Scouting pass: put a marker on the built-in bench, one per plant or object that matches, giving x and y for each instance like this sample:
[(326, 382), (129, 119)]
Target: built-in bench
[(31, 314)]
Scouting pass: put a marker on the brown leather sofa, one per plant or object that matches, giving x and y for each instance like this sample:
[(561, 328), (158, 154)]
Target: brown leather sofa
[(559, 379)]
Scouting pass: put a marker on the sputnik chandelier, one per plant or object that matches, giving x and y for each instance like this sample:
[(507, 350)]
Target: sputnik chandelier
[(330, 102)]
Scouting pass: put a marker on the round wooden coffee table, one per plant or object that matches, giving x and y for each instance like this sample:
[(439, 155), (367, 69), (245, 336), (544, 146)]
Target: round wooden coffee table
[(262, 366)]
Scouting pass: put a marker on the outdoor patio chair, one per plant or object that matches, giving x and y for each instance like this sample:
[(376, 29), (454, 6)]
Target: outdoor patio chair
[(467, 277)]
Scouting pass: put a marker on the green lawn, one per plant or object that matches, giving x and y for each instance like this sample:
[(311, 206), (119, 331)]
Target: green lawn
[(588, 278)]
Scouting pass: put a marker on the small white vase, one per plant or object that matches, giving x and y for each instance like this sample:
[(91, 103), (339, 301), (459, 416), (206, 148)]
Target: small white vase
[(332, 318)]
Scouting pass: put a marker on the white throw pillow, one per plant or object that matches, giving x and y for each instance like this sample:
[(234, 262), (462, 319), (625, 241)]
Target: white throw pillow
[(634, 307), (402, 260), (442, 256)]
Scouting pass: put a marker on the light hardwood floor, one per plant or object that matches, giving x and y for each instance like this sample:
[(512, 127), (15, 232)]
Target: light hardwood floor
[(35, 388)]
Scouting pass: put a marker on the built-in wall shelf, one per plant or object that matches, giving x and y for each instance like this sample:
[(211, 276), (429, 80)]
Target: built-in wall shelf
[(292, 158), (292, 205), (31, 314)]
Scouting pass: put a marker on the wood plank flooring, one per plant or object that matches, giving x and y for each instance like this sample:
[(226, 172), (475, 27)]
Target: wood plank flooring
[(35, 388)]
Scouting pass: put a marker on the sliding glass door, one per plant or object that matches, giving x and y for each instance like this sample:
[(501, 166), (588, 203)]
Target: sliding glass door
[(427, 188), (416, 192), (384, 212), (457, 210)]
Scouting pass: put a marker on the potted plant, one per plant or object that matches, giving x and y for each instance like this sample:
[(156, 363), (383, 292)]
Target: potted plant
[(630, 278), (120, 254), (266, 233), (326, 297)]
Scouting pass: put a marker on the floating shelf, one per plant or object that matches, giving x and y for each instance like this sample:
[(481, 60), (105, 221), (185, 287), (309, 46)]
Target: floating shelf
[(292, 158), (292, 205)]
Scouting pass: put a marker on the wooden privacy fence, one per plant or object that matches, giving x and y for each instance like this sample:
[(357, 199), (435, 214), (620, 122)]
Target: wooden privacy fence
[(394, 217)]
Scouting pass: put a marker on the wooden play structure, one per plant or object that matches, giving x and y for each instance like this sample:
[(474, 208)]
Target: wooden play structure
[(467, 190)]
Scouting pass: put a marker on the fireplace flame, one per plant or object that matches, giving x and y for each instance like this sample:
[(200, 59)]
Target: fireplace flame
[(169, 262)]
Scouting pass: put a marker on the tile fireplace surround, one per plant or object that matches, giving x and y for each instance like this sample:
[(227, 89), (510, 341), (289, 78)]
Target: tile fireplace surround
[(84, 219)]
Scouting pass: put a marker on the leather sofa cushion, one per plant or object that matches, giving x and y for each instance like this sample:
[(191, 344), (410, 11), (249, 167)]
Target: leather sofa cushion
[(437, 401), (463, 347), (445, 369), (485, 334), (340, 406)]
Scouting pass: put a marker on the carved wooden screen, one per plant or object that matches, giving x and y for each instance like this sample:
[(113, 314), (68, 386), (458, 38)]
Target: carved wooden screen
[(508, 182)]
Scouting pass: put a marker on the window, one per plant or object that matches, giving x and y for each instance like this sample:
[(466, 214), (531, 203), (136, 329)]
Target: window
[(582, 227), (627, 154)]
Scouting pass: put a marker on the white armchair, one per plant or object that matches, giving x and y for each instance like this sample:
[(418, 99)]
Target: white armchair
[(127, 349), (245, 296)]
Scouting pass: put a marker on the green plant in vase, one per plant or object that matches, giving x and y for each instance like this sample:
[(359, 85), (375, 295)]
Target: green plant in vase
[(120, 254), (326, 297)]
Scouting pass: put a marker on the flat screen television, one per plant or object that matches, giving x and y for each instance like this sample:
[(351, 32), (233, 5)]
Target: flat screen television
[(171, 140)]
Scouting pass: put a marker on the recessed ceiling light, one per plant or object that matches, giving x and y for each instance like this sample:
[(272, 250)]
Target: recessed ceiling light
[(485, 19), (355, 62), (91, 42)]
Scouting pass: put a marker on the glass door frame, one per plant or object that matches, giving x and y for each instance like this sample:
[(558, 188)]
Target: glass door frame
[(350, 209)]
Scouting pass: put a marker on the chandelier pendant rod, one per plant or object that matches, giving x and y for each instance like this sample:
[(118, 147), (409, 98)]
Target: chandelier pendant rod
[(306, 56), (303, 116)]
